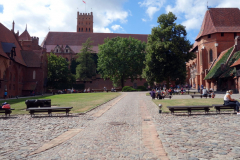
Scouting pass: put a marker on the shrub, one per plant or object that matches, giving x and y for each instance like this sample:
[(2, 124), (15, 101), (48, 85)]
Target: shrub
[(141, 88), (128, 89)]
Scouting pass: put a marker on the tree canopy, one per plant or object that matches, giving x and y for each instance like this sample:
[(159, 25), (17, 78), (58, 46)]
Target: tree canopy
[(121, 58), (86, 67), (167, 51), (58, 72)]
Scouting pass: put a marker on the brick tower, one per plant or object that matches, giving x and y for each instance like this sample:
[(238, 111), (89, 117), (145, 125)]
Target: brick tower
[(85, 22)]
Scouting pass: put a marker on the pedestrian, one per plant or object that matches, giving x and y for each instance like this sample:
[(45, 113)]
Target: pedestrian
[(5, 94), (204, 92), (198, 89), (152, 93)]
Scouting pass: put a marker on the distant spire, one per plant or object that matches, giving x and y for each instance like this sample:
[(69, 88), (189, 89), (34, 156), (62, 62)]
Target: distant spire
[(26, 28)]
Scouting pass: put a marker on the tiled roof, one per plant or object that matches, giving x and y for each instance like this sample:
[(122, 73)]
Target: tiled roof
[(32, 58), (236, 63), (220, 20), (8, 36), (24, 36), (75, 39)]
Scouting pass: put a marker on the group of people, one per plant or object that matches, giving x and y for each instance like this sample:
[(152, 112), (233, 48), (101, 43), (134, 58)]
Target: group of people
[(87, 90), (205, 92)]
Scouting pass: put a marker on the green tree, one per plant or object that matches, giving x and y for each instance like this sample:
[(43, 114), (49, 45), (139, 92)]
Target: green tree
[(86, 67), (167, 51), (58, 72), (121, 58)]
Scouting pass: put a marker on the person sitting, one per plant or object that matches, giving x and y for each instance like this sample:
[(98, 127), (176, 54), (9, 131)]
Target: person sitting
[(204, 92), (159, 94), (228, 101), (212, 94)]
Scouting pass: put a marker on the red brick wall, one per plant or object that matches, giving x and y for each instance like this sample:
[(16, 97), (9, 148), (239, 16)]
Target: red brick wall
[(84, 21)]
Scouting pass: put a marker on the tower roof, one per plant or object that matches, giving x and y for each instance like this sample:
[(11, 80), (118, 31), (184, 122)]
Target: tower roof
[(25, 36), (220, 20)]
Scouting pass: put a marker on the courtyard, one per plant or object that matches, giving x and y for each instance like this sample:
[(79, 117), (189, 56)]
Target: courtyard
[(127, 127)]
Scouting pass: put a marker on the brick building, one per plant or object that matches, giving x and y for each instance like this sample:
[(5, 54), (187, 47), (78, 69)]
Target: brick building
[(68, 44), (217, 35), (23, 66)]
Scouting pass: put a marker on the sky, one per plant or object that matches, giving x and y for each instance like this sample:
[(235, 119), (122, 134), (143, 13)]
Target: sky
[(115, 16)]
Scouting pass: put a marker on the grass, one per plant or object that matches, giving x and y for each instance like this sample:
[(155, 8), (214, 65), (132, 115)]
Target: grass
[(81, 102), (187, 102)]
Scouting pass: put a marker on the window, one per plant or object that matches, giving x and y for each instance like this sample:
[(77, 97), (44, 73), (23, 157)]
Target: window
[(82, 29), (209, 36), (14, 77), (86, 29), (57, 51), (79, 30), (34, 74), (66, 50), (67, 59), (201, 58), (14, 87), (222, 34), (210, 56), (9, 86), (89, 29), (10, 76), (235, 35)]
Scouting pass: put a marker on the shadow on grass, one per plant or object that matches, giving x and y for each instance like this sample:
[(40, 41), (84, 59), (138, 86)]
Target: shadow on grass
[(13, 101)]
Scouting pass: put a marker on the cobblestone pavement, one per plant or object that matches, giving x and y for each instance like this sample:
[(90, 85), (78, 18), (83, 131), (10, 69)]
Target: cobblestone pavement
[(183, 137)]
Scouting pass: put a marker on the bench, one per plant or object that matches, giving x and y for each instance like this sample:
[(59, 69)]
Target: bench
[(218, 107), (44, 105), (188, 108), (49, 110), (6, 111), (199, 95), (167, 96)]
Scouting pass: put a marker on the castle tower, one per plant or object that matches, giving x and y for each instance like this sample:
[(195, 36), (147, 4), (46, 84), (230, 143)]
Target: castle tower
[(85, 22)]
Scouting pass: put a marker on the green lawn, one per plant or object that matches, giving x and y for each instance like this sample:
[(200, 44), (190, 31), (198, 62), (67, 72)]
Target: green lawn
[(80, 102), (187, 102)]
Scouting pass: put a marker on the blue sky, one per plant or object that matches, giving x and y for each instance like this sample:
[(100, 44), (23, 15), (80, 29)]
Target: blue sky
[(117, 16)]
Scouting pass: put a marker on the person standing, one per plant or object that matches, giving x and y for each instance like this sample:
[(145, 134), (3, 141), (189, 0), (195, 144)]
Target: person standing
[(5, 94), (152, 93)]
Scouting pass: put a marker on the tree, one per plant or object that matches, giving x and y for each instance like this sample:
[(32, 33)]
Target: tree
[(121, 58), (73, 66), (58, 72), (86, 67), (167, 51)]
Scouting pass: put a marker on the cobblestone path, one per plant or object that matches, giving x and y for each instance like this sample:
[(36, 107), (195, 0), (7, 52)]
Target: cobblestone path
[(115, 134)]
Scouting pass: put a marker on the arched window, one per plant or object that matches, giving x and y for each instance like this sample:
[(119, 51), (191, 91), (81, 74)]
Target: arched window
[(201, 58), (34, 74), (86, 29), (82, 29), (57, 51), (210, 56), (89, 29)]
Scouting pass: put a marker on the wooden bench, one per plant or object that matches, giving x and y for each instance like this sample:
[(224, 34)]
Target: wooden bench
[(44, 105), (6, 111), (167, 96), (218, 107), (49, 110), (188, 108), (199, 95)]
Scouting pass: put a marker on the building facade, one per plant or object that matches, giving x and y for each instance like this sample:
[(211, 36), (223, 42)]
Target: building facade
[(68, 44), (23, 67), (219, 29)]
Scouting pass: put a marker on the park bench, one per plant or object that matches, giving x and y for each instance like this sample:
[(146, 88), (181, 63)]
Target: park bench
[(167, 96), (199, 95), (6, 111), (188, 108), (43, 105), (218, 107)]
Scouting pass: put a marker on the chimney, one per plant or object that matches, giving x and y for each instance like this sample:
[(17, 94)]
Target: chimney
[(237, 43), (13, 26)]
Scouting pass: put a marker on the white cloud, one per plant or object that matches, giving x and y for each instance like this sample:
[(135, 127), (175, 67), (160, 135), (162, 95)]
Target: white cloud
[(192, 11), (60, 15), (152, 6), (116, 27), (144, 20)]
